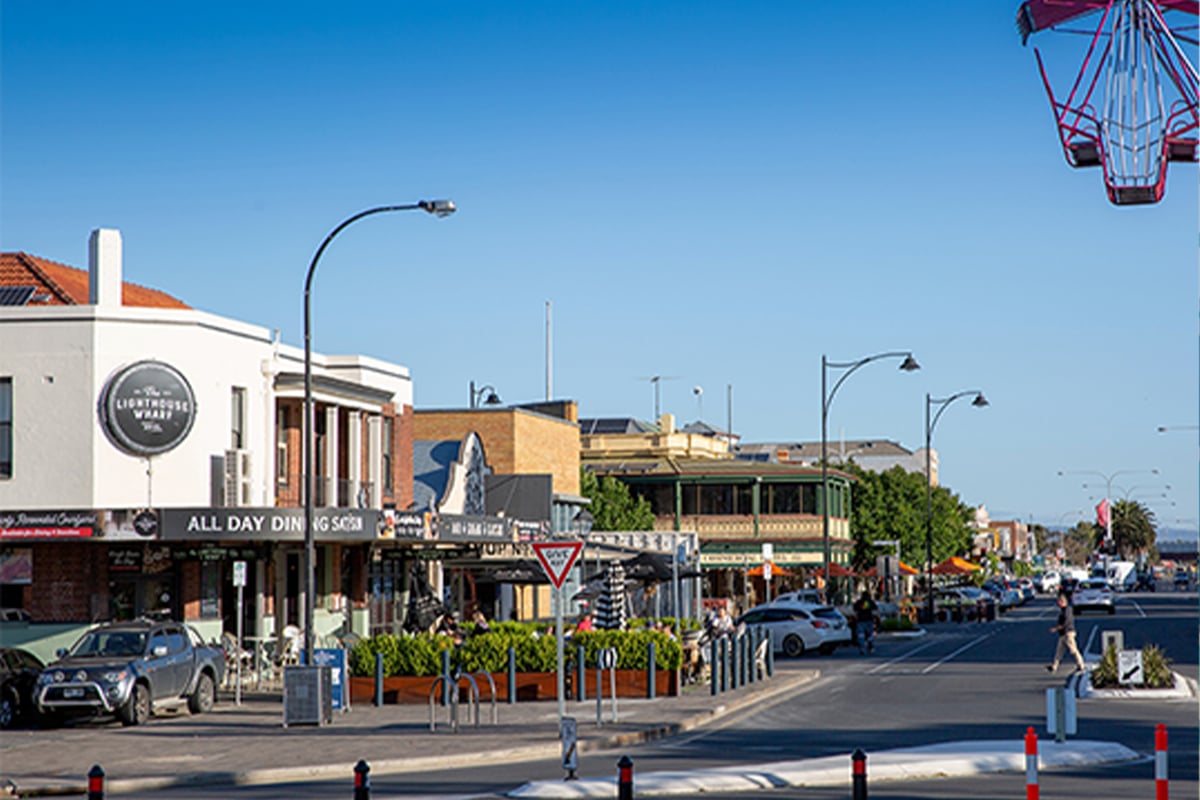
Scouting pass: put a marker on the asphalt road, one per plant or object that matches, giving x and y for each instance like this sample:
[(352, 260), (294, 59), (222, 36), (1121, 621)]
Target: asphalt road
[(961, 682)]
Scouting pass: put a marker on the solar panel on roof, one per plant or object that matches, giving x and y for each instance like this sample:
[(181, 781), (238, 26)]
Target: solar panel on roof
[(16, 295)]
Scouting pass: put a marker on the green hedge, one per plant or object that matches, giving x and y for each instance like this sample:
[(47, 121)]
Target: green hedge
[(421, 655)]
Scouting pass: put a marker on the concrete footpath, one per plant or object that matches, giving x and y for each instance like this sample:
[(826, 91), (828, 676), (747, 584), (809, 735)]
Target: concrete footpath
[(248, 745)]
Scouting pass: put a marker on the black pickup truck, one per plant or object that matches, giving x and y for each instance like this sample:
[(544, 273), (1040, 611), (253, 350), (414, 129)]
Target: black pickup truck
[(131, 669)]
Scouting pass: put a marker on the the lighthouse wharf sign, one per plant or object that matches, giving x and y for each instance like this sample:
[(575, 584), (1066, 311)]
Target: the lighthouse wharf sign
[(148, 408)]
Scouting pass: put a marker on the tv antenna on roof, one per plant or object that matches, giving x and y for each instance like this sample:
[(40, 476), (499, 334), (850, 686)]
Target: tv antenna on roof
[(656, 380), (699, 392)]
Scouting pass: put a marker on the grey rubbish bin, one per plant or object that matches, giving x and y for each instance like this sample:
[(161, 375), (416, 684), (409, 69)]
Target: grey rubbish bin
[(307, 695)]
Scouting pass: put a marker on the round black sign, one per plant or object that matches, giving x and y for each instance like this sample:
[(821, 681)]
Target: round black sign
[(148, 408)]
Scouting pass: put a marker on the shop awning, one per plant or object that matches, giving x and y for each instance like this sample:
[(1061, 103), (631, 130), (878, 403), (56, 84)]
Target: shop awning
[(955, 566)]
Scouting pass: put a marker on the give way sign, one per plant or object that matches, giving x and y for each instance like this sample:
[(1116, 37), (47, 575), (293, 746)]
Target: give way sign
[(557, 559)]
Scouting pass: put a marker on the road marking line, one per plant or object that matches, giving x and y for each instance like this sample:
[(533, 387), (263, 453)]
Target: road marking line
[(898, 659), (1087, 648), (966, 646), (1139, 608)]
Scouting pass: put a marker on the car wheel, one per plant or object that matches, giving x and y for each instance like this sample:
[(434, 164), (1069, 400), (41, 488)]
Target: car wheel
[(137, 710), (8, 709), (202, 699), (793, 646)]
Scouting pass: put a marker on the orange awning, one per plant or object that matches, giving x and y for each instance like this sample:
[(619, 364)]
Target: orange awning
[(955, 566), (776, 570), (836, 570), (905, 569)]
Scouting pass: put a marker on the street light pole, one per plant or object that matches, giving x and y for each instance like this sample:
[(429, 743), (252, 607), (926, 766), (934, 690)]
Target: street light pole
[(930, 423), (1108, 483), (439, 208), (908, 365)]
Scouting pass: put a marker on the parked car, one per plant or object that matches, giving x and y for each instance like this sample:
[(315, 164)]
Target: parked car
[(19, 672), (1047, 582), (131, 670), (796, 628), (1182, 579), (1005, 597), (1094, 593), (1025, 586), (809, 596)]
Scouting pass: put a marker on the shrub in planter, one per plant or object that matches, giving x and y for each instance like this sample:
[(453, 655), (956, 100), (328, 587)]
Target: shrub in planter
[(632, 648), (896, 624), (1156, 669), (402, 655)]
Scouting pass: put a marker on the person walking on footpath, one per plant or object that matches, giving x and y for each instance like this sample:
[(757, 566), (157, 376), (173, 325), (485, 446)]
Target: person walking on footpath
[(866, 613), (1066, 636)]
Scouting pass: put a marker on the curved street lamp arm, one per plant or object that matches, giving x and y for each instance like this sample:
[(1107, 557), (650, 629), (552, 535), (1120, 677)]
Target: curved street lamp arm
[(851, 366), (943, 402)]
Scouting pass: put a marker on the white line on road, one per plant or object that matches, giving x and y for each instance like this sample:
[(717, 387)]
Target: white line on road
[(1091, 636), (1139, 608), (966, 646), (898, 659)]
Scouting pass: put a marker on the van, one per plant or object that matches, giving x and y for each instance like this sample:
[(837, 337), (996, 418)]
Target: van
[(1122, 576)]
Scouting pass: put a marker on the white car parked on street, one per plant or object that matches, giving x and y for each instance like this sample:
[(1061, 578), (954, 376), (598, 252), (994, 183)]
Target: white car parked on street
[(796, 628)]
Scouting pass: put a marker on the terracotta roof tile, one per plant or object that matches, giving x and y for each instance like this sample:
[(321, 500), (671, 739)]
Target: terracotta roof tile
[(59, 284)]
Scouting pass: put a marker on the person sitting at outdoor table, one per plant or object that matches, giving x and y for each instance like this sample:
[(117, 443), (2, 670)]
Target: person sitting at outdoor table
[(585, 622), (448, 626), (721, 624), (481, 623)]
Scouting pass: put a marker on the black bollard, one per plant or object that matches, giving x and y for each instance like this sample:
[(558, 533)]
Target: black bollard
[(446, 679), (362, 781), (859, 760), (714, 667), (625, 778), (751, 648), (95, 783), (378, 679), (651, 672), (512, 675), (580, 675), (770, 655)]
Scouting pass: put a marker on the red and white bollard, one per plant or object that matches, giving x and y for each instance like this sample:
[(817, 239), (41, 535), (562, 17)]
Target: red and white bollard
[(1031, 765), (1160, 762)]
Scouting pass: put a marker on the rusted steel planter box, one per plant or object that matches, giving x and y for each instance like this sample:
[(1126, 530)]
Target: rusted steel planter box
[(530, 686)]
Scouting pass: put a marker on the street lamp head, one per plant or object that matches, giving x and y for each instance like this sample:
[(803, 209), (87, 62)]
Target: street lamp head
[(910, 364), (492, 399), (439, 208), (980, 401)]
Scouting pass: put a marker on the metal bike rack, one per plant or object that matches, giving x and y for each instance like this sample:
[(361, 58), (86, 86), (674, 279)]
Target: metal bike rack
[(472, 699), (492, 686)]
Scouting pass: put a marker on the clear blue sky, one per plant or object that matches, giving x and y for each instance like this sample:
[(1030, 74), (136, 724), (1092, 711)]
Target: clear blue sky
[(719, 192)]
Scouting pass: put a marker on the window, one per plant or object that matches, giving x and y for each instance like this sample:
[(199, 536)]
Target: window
[(281, 445), (238, 419), (388, 423), (6, 418)]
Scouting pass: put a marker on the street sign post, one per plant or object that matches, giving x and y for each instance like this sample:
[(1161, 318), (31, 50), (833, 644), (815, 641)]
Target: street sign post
[(768, 553), (556, 559), (239, 580)]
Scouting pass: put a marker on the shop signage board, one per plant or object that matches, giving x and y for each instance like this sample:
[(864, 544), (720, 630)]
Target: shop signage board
[(48, 524), (267, 524), (148, 408), (557, 558)]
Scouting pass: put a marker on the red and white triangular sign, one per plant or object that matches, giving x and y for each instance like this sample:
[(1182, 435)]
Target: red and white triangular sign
[(557, 559)]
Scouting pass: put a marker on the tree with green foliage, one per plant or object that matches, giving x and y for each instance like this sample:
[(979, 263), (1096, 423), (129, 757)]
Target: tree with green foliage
[(1080, 542), (891, 505), (1132, 528), (613, 508)]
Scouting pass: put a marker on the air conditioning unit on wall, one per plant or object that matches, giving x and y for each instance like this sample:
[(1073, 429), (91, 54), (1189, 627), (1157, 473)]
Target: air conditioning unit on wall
[(238, 488)]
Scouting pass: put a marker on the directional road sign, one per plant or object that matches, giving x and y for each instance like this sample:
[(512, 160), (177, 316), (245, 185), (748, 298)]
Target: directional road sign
[(557, 559)]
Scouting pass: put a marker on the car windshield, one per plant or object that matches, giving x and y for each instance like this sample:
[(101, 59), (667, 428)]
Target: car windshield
[(110, 643)]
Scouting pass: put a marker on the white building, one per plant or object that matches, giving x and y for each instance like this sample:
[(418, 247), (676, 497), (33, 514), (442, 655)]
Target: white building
[(146, 445)]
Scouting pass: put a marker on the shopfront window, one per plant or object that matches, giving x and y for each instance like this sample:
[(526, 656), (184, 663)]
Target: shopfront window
[(210, 589), (6, 422)]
